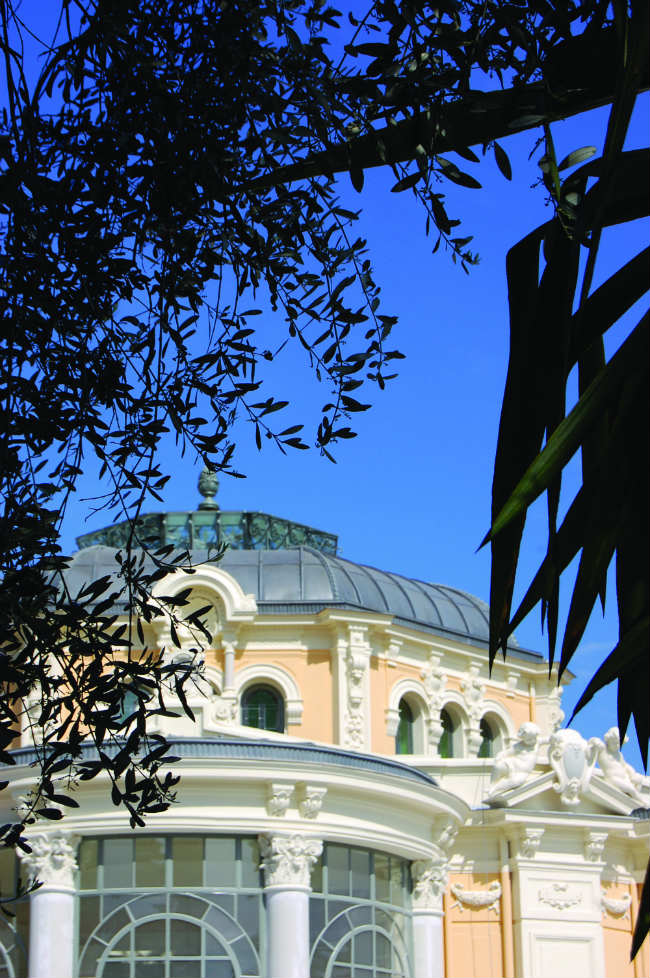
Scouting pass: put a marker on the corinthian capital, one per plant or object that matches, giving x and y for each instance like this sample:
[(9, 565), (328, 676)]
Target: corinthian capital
[(52, 860), (430, 881), (288, 859)]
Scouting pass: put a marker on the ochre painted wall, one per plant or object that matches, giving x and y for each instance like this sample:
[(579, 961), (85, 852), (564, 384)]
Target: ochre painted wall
[(617, 934), (473, 938)]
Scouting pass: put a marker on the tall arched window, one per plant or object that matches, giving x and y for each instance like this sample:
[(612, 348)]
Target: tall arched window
[(488, 738), (404, 735), (446, 743), (263, 707)]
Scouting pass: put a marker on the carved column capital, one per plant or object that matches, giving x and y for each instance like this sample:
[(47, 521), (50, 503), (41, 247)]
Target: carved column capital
[(429, 883), (287, 860), (53, 860)]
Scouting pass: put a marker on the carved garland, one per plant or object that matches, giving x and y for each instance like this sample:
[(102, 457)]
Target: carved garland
[(477, 899)]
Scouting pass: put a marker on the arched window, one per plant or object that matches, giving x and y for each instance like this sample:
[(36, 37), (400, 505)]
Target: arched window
[(488, 737), (404, 735), (262, 707), (446, 744)]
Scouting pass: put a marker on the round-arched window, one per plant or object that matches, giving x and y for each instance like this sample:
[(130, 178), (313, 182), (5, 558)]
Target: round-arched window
[(404, 735), (446, 743), (488, 738), (262, 707)]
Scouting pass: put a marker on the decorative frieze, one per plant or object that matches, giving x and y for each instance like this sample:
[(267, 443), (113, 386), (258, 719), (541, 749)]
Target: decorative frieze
[(287, 860), (479, 899), (429, 883), (560, 896), (278, 797), (356, 668), (52, 860), (310, 799)]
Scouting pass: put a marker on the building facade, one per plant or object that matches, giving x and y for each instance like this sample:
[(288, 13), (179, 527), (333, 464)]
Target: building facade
[(360, 798)]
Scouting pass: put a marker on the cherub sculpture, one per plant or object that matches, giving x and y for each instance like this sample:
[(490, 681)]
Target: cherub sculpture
[(513, 765), (618, 772)]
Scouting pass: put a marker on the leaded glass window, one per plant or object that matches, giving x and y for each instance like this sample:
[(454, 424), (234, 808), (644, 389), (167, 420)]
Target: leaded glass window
[(360, 924), (404, 735), (170, 907), (263, 707)]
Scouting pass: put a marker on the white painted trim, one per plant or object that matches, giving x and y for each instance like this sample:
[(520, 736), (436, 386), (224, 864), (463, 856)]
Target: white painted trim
[(262, 672), (236, 605), (414, 692)]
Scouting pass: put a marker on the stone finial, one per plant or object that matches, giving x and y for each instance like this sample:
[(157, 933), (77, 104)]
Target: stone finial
[(287, 860), (208, 487)]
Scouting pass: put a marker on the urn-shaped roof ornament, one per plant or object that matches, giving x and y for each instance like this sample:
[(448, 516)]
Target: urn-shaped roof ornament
[(208, 487)]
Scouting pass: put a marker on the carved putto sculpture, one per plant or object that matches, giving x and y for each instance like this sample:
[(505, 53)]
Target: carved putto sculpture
[(618, 772), (513, 765)]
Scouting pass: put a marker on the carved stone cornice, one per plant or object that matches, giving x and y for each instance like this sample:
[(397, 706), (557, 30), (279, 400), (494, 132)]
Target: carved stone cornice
[(287, 860), (52, 861), (429, 882)]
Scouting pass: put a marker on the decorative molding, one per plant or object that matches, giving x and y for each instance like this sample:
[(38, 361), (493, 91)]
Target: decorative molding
[(224, 709), (616, 907), (477, 899), (310, 799), (429, 882), (434, 680), (555, 711), (572, 760), (53, 860), (530, 841), (445, 835), (278, 798), (356, 668), (473, 690), (262, 672), (559, 896), (514, 765), (287, 860), (594, 846), (512, 679)]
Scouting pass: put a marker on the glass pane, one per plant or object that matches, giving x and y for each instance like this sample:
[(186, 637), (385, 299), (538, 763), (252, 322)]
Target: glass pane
[(220, 863), (396, 888), (88, 917), (317, 877), (149, 906), (382, 951), (382, 887), (149, 969), (404, 736), (337, 870), (446, 742), (363, 948), (213, 947), (250, 862), (184, 969), (185, 937), (316, 919), (360, 862), (150, 938), (487, 739), (187, 853), (118, 862), (150, 861), (248, 916), (116, 969), (219, 969), (262, 707), (88, 864)]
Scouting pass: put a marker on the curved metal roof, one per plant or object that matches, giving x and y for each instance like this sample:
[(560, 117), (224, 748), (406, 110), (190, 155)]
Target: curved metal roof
[(305, 580)]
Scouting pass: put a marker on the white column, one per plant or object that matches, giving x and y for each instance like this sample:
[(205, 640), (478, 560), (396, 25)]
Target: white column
[(287, 864), (228, 666), (52, 862), (430, 880)]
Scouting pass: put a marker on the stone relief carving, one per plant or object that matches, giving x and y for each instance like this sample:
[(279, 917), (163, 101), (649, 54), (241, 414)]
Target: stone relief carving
[(310, 800), (594, 846), (287, 860), (446, 835), (52, 860), (434, 680), (617, 772), (616, 907), (473, 691), (225, 708), (514, 765), (278, 798), (429, 882), (356, 664), (530, 841), (555, 712), (572, 760), (559, 896), (477, 899)]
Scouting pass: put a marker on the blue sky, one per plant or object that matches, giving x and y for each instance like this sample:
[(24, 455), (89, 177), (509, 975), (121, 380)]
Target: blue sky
[(411, 494)]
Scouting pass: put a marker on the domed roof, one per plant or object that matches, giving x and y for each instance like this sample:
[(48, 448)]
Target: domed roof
[(305, 581)]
